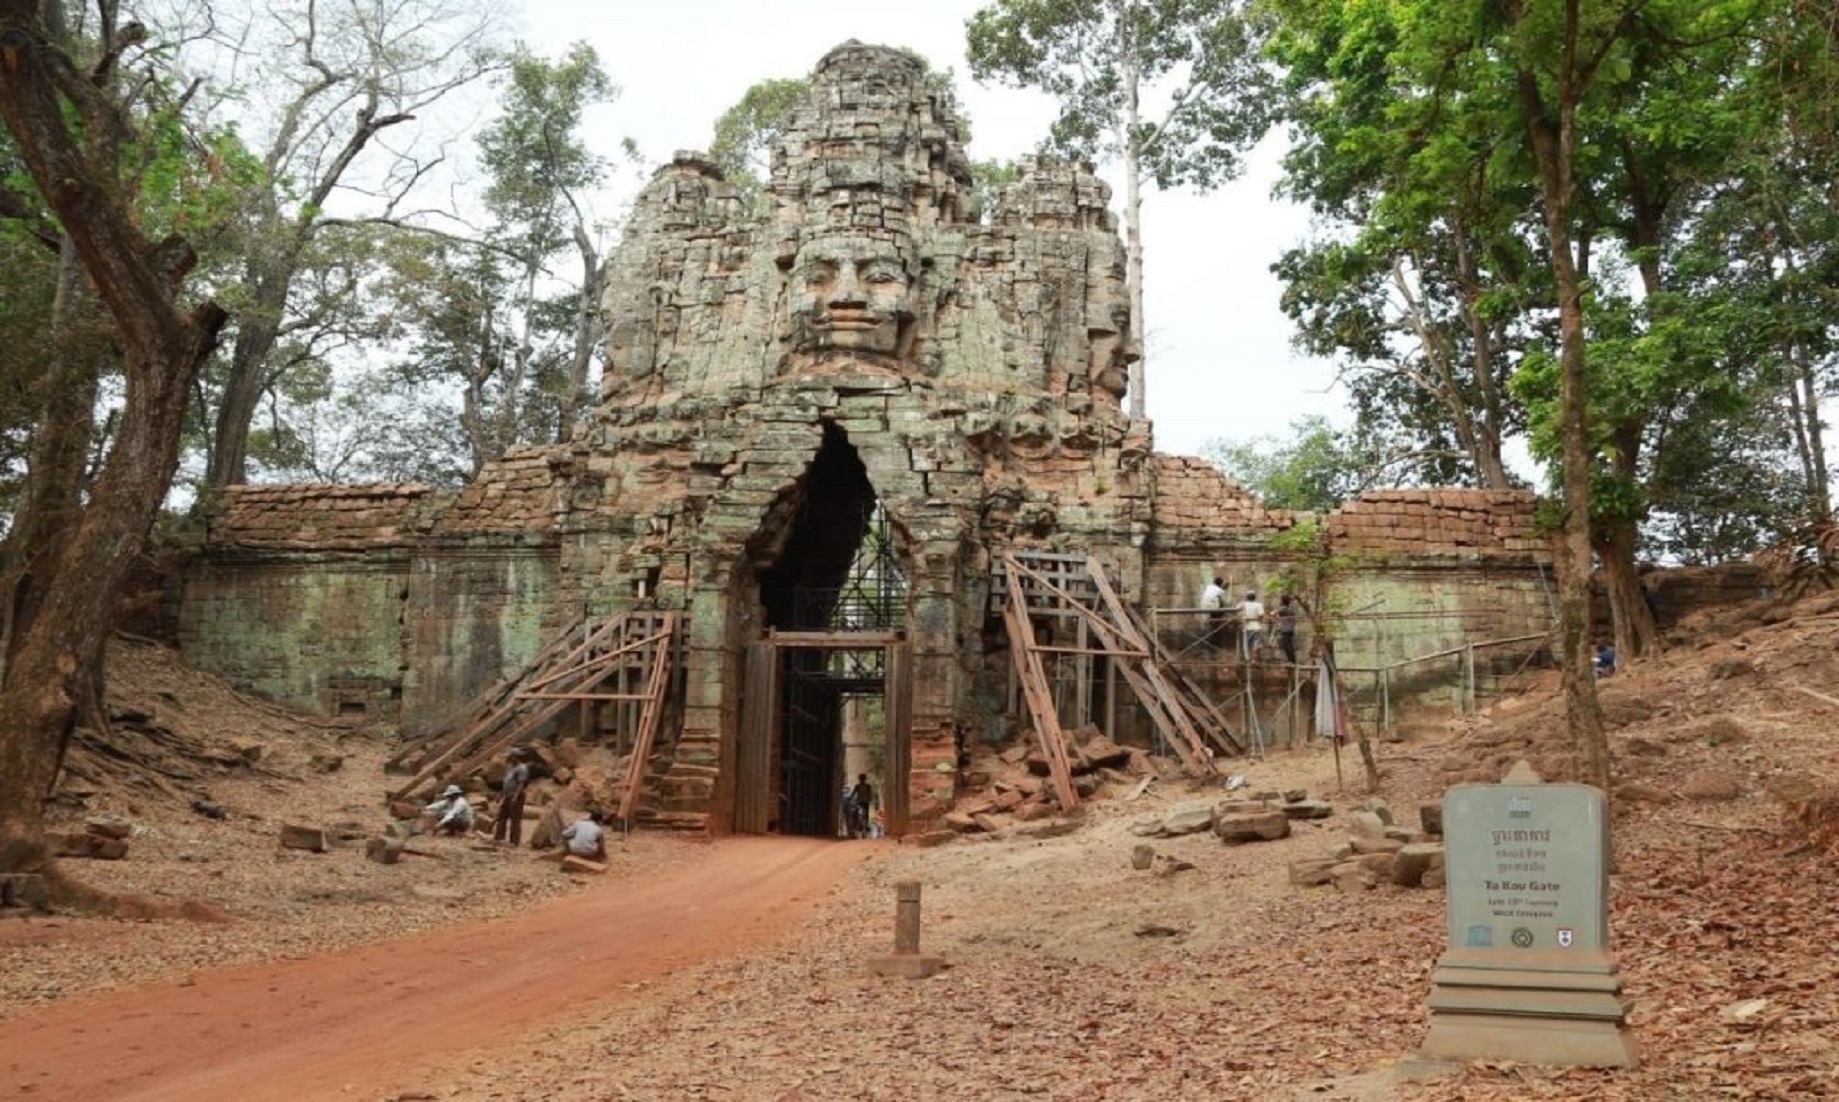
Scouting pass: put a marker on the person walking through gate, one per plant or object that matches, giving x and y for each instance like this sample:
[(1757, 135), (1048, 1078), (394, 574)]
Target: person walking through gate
[(861, 802), (509, 826)]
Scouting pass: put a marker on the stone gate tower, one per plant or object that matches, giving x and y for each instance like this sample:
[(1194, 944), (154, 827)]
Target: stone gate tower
[(868, 338)]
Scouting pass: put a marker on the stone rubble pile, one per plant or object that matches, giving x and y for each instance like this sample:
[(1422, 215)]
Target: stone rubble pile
[(1378, 850), (103, 838), (1254, 817)]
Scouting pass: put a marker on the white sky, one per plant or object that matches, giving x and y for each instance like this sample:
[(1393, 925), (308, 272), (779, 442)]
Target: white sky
[(1219, 358)]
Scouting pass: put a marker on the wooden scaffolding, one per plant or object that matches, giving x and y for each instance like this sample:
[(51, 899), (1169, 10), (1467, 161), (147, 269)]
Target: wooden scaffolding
[(1091, 621), (624, 659)]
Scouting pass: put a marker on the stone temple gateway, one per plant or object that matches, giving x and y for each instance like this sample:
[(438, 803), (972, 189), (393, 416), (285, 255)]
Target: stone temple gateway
[(865, 364)]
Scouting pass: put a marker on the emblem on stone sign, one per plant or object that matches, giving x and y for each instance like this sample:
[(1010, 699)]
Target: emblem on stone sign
[(1481, 937), (1522, 937), (1566, 935), (1519, 807)]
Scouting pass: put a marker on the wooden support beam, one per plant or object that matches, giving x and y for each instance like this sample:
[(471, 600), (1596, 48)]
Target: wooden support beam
[(1037, 691), (655, 683)]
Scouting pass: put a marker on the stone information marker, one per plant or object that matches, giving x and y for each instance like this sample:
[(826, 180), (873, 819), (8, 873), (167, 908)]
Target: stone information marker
[(1528, 974)]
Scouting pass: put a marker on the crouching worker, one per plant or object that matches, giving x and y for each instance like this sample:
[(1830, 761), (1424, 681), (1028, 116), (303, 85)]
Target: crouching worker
[(453, 812), (587, 837)]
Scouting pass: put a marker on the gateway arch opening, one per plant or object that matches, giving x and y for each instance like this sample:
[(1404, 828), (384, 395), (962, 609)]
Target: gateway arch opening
[(836, 608)]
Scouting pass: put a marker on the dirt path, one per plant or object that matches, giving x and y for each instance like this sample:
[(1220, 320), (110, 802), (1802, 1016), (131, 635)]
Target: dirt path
[(366, 1023)]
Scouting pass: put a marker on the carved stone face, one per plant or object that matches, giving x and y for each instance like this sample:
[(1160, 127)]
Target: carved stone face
[(851, 294)]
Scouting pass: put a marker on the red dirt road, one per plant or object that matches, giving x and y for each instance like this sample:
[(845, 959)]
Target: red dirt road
[(359, 1024)]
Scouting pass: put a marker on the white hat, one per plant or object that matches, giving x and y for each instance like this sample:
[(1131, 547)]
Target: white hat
[(454, 790)]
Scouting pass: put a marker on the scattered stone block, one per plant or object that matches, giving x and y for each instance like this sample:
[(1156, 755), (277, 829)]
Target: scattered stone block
[(1430, 817), (1401, 834), (1313, 872), (1033, 810), (1354, 878), (405, 809), (1712, 785), (311, 839), (1186, 819), (108, 826), (575, 863), (1101, 753), (94, 847), (326, 763), (1295, 795), (1378, 807), (384, 851), (1411, 863), (1142, 856), (1253, 826), (1308, 809), (1434, 878), (1366, 824), (960, 822), (1377, 845)]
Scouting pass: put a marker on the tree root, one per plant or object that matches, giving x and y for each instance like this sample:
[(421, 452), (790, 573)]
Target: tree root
[(69, 893)]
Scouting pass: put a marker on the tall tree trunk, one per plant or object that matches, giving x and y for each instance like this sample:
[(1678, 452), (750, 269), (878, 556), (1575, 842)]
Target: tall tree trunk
[(162, 349), (1485, 453), (245, 378), (1552, 140), (53, 487), (587, 335)]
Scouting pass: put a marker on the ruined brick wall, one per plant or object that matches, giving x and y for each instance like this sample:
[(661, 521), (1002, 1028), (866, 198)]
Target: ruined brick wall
[(301, 597), (1462, 523), (1420, 571), (1402, 573)]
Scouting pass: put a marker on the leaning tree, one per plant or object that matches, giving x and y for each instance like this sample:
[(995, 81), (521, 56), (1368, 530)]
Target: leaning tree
[(65, 125)]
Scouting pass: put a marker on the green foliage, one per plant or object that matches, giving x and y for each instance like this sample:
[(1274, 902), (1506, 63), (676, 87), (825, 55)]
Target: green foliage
[(1099, 58), (1313, 468), (988, 179), (745, 133)]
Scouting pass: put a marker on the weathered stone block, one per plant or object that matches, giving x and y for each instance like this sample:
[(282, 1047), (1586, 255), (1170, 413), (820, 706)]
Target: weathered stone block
[(1254, 826), (294, 836), (1411, 863)]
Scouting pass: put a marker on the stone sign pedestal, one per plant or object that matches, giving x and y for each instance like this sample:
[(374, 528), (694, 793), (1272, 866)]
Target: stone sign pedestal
[(1528, 974), (1542, 1008)]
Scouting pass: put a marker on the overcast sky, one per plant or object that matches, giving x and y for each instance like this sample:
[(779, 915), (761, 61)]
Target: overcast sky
[(1220, 362)]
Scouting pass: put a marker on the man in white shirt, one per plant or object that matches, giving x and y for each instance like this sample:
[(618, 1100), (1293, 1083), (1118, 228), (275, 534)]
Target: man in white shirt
[(1213, 599), (453, 811), (587, 837), (1251, 615)]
